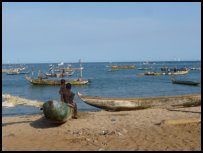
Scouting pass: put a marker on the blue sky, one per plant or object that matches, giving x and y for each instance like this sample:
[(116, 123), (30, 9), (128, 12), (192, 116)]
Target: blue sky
[(100, 32)]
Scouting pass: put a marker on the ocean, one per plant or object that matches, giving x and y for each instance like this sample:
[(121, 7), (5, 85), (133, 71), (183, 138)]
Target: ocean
[(121, 83)]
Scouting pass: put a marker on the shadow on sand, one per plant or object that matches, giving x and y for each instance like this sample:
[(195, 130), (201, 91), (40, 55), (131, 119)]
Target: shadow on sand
[(183, 111), (11, 123), (43, 123)]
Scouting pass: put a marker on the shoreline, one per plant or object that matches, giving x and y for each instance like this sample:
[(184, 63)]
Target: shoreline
[(106, 130)]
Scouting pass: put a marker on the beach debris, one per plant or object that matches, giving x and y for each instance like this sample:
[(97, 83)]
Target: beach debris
[(181, 121), (105, 143), (118, 133), (112, 132), (113, 119), (101, 149), (107, 132), (91, 142), (124, 130), (87, 139)]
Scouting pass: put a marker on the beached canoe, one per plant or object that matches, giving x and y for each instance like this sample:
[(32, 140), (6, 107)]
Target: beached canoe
[(54, 82), (121, 104), (57, 112), (54, 111), (123, 67), (185, 82)]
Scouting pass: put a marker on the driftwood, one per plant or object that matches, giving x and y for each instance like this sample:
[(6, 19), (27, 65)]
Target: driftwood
[(12, 101)]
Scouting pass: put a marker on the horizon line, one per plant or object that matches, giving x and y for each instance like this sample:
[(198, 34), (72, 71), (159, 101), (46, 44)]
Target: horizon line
[(107, 62)]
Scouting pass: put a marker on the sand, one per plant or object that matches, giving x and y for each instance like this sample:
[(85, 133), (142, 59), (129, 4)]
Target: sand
[(140, 130)]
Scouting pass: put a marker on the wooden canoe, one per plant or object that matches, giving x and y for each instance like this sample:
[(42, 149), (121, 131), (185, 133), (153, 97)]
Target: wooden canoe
[(151, 73), (57, 112), (143, 68), (120, 104), (178, 72), (185, 82), (170, 73), (54, 82), (12, 73), (123, 67), (54, 111), (9, 70)]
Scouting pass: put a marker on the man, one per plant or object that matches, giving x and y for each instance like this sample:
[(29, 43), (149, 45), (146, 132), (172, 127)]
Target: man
[(68, 98), (62, 89), (41, 76)]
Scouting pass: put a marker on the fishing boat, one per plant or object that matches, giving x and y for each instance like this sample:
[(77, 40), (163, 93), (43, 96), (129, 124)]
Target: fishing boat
[(23, 72), (151, 73), (12, 73), (59, 74), (178, 72), (10, 70), (185, 82), (123, 67), (54, 82), (70, 69), (143, 68), (70, 73), (122, 104), (50, 74), (168, 73), (195, 68), (113, 70), (54, 111)]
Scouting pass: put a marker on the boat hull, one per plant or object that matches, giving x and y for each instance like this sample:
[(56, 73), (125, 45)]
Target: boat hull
[(186, 82), (57, 112), (12, 73), (121, 104), (170, 73), (123, 67)]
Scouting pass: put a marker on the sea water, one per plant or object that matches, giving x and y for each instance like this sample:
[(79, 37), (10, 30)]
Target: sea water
[(104, 83)]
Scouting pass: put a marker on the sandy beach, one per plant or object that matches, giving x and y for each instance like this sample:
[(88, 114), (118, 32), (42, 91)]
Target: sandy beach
[(140, 130)]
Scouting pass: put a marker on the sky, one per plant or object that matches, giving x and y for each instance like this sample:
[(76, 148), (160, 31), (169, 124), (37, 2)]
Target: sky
[(51, 32)]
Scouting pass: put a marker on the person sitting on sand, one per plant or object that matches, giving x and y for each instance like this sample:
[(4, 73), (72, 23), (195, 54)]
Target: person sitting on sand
[(62, 89), (68, 98)]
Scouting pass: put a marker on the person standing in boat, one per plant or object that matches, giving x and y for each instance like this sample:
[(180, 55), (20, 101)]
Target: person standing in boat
[(62, 89), (63, 72), (68, 98), (41, 76)]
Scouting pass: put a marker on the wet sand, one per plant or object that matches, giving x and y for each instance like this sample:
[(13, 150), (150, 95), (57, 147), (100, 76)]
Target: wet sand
[(140, 130)]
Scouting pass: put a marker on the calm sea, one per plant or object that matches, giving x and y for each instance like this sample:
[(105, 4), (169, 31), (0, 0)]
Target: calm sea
[(121, 83)]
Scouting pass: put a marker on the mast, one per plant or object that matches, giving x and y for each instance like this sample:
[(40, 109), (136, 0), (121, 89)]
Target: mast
[(80, 68)]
